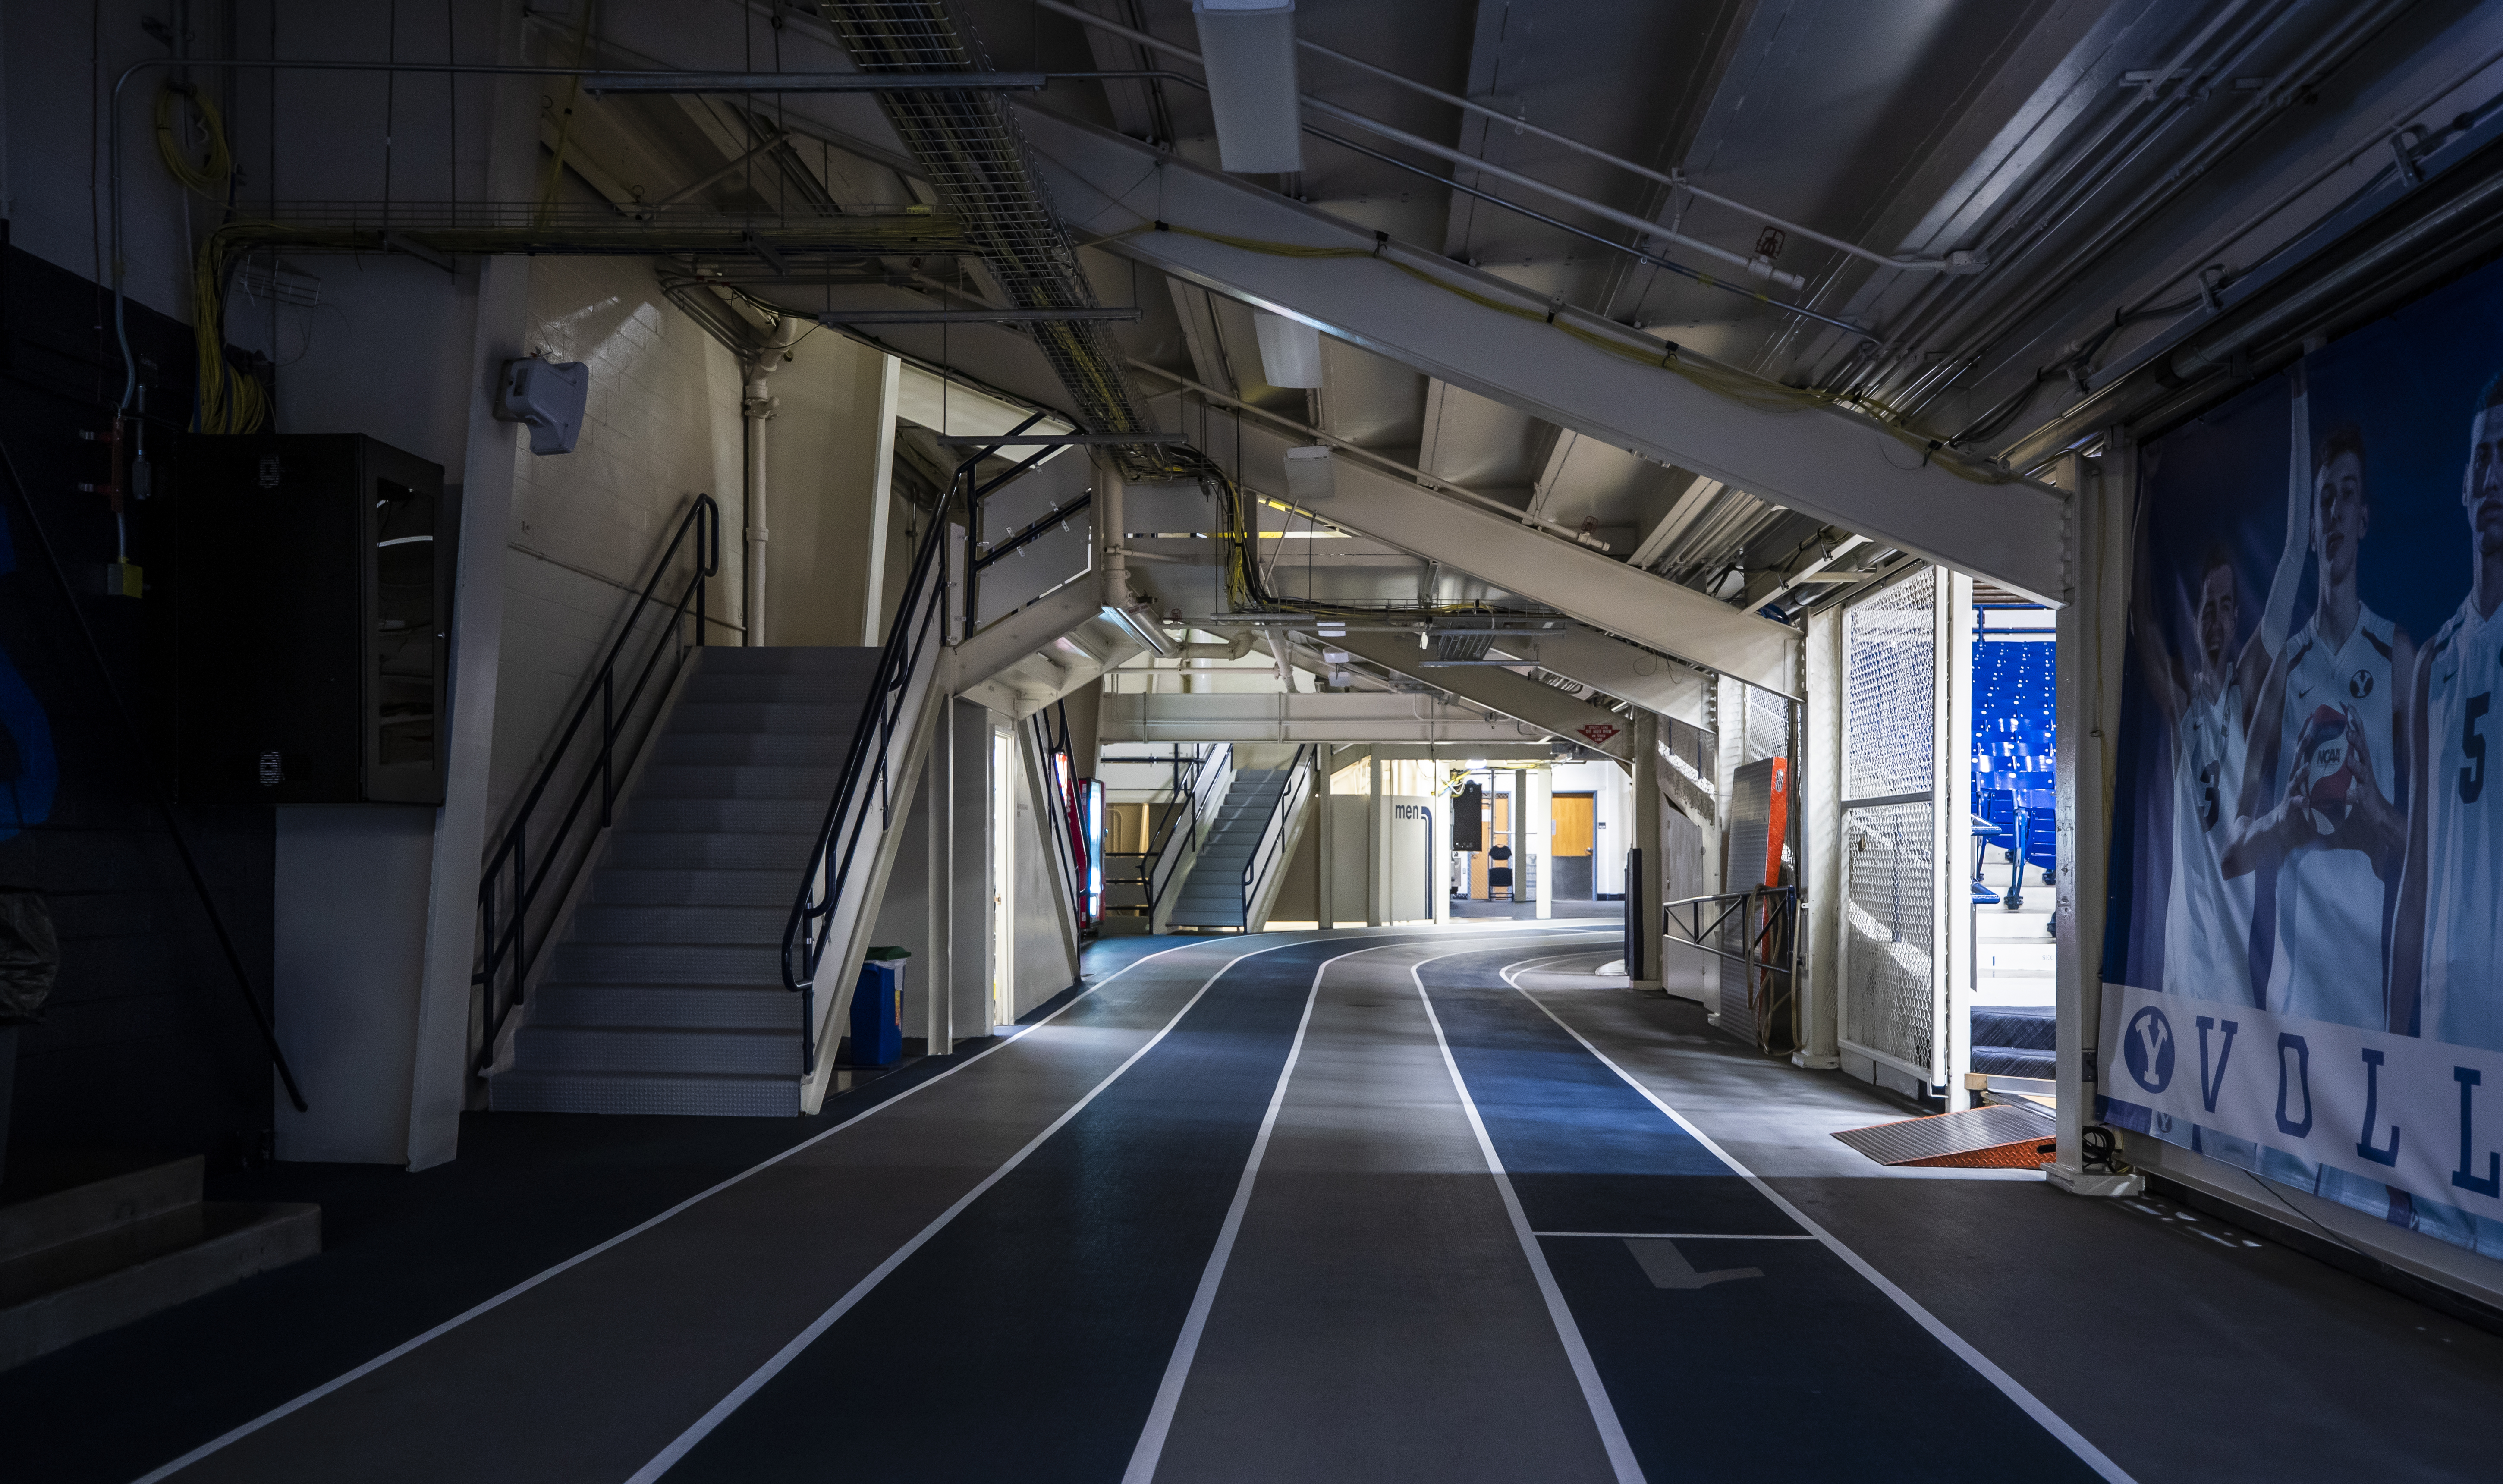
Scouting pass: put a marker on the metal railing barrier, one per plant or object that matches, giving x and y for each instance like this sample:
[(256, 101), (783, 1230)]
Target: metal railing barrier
[(1767, 922), (509, 877)]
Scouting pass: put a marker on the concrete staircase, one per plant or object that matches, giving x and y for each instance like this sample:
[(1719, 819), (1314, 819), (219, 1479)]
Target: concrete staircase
[(665, 990), (1212, 894), (88, 1243)]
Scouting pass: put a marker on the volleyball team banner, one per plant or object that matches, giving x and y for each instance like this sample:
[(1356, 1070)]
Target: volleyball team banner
[(2304, 968)]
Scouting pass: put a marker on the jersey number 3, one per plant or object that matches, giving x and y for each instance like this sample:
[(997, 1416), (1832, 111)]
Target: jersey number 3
[(2472, 778)]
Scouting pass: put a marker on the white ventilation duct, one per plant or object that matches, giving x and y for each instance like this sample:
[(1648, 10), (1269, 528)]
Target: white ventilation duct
[(1290, 350), (1248, 48)]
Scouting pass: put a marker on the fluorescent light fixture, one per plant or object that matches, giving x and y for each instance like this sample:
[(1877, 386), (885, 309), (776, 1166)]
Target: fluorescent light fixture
[(1248, 48), (1290, 350), (1333, 656), (1310, 475)]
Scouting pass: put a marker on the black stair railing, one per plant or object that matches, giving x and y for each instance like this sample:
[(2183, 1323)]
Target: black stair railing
[(904, 666), (517, 874), (1282, 818)]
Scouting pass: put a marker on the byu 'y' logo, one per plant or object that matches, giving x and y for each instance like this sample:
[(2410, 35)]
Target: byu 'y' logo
[(2146, 1049)]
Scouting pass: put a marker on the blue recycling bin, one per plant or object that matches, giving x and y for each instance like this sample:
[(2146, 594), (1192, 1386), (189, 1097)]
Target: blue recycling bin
[(878, 1009)]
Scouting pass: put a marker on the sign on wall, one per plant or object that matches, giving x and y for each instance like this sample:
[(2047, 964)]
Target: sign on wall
[(2306, 946)]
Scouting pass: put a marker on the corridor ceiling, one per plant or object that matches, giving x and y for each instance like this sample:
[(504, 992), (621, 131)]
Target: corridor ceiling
[(2072, 193)]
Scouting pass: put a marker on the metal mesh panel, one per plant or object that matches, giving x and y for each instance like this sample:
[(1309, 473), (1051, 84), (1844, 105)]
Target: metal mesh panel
[(1889, 1004), (1768, 726), (1890, 681), (974, 155)]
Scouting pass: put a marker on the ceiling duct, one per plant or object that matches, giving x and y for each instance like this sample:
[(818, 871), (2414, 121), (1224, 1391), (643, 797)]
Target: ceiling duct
[(974, 155)]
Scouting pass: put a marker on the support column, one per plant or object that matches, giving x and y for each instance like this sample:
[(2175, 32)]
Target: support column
[(1818, 800), (1377, 841), (1325, 877), (1642, 884), (881, 499), (2091, 636), (1540, 817), (1438, 860), (939, 787)]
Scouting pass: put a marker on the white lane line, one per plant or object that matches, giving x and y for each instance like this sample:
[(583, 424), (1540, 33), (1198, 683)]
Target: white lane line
[(2031, 1404), (348, 1378), (1595, 1395), (1150, 1447), (1690, 1236), (678, 1448)]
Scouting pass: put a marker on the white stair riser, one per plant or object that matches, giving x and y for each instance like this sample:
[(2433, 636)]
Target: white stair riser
[(630, 886), (753, 968), (582, 1048), (665, 1007), (661, 849), (718, 780), (738, 926), (749, 1097), (708, 817)]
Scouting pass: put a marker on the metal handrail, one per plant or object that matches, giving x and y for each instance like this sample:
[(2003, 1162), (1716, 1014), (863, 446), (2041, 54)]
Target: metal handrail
[(829, 869), (1273, 837), (1211, 775), (508, 945)]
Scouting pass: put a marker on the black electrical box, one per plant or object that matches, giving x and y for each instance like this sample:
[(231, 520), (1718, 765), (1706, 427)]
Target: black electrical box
[(312, 616)]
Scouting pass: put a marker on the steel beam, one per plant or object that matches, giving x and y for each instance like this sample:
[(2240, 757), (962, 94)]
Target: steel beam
[(1519, 697), (1611, 664), (1398, 300), (1366, 716), (1575, 580)]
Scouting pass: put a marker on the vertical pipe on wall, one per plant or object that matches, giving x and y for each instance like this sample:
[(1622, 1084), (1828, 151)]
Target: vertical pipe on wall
[(1955, 779), (755, 409), (2090, 634)]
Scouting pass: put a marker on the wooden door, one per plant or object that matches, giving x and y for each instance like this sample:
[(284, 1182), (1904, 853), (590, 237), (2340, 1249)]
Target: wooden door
[(1575, 824)]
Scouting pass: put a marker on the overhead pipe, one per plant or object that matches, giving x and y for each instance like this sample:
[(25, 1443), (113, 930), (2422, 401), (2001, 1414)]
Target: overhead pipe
[(1759, 266)]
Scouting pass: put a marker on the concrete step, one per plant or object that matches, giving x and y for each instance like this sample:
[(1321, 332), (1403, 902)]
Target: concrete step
[(746, 926), (722, 816), (601, 963), (779, 854), (748, 718), (740, 749), (85, 1194), (786, 659), (832, 689), (65, 1293), (664, 1007), (693, 887), (724, 781), (744, 1053), (710, 1095)]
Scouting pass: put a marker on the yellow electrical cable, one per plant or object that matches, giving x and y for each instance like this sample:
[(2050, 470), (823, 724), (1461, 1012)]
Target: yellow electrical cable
[(207, 178)]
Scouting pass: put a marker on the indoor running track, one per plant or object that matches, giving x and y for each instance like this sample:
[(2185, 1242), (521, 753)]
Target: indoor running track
[(1345, 1207)]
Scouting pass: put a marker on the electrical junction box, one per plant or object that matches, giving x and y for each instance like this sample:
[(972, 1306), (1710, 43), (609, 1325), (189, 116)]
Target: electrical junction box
[(549, 397), (313, 607)]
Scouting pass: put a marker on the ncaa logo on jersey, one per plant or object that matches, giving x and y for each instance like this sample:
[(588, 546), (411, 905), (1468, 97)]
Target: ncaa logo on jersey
[(2360, 684)]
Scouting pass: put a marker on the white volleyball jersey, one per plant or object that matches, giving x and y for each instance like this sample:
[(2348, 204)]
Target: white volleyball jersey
[(2462, 995), (2329, 960), (2207, 917)]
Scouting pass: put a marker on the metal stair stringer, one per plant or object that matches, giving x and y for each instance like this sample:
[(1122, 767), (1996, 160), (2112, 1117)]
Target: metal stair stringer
[(835, 1007)]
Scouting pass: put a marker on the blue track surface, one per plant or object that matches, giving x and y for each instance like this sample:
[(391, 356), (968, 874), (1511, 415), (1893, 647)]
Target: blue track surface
[(1713, 1382)]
